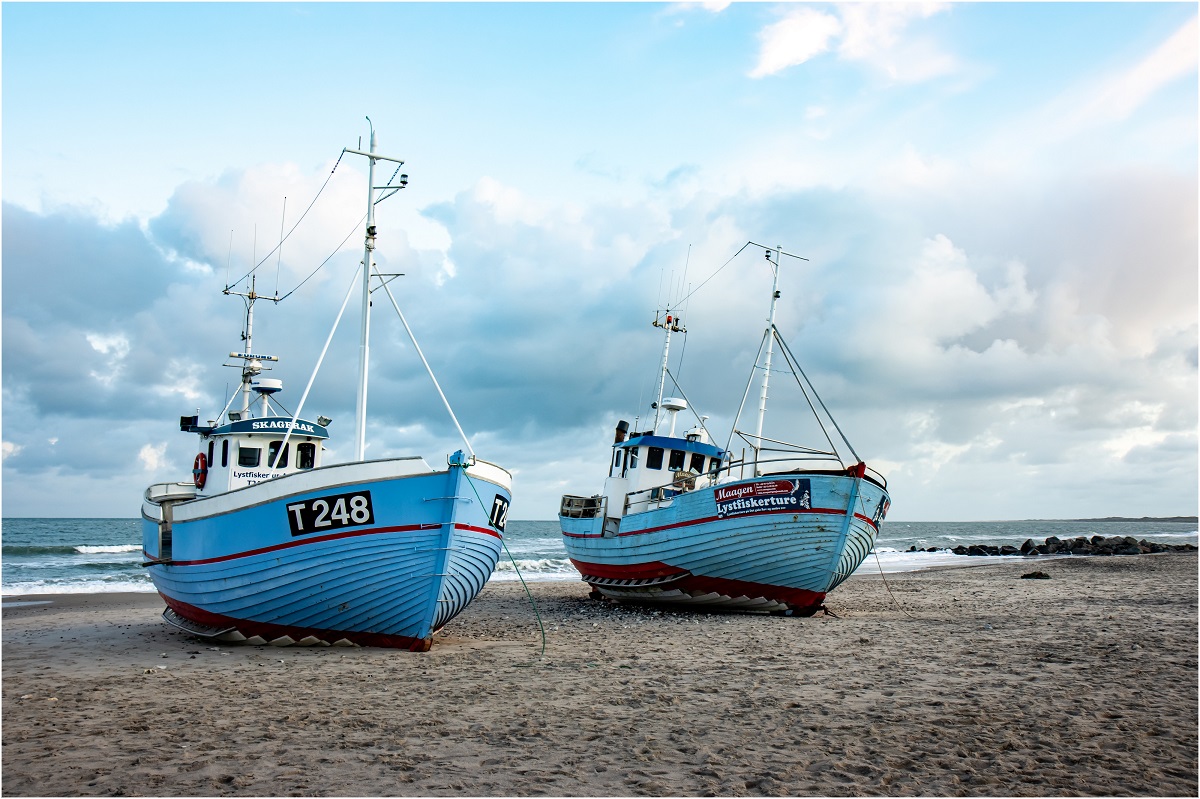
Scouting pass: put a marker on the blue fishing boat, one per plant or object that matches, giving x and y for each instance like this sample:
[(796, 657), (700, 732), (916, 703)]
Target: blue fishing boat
[(681, 521), (267, 544)]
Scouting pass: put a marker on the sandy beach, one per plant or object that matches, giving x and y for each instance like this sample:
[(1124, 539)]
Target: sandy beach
[(961, 681)]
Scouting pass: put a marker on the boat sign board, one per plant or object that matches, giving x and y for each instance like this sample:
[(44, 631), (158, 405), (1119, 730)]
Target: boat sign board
[(330, 513), (277, 425), (763, 496)]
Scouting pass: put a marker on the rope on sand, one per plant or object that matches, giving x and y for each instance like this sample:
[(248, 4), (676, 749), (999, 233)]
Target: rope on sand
[(528, 593)]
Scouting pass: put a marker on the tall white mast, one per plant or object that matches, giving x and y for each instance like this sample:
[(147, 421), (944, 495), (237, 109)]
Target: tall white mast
[(364, 348), (671, 324), (762, 397)]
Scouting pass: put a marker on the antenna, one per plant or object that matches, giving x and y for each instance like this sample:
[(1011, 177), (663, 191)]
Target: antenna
[(279, 257), (228, 256)]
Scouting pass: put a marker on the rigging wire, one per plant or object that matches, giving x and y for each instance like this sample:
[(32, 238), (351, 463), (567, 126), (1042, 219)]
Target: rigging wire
[(322, 264), (293, 230), (336, 249), (722, 266)]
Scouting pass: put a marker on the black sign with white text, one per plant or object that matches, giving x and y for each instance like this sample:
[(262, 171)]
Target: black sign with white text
[(330, 513)]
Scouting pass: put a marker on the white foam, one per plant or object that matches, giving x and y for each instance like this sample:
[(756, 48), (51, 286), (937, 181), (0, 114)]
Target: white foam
[(79, 587)]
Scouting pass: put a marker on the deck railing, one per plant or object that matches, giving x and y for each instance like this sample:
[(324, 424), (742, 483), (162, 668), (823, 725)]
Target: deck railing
[(582, 507)]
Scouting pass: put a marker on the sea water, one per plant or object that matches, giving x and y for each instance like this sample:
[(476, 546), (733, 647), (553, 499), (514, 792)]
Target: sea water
[(58, 556)]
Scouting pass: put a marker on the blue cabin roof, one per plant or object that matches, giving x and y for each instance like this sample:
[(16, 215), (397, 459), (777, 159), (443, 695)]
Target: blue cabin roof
[(673, 443)]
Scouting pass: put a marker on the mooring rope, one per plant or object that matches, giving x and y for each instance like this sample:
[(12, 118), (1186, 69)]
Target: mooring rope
[(513, 560)]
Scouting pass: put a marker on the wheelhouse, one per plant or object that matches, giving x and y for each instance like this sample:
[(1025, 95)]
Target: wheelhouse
[(248, 451)]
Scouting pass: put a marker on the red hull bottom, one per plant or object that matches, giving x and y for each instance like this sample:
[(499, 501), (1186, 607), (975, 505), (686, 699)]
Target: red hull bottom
[(284, 635), (661, 583)]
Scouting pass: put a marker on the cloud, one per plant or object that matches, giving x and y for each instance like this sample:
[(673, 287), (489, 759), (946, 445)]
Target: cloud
[(869, 33), (1123, 93), (152, 457), (798, 37), (956, 351)]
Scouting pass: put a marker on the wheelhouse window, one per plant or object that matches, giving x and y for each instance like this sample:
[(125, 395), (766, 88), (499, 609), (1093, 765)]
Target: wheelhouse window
[(211, 445), (273, 452), (249, 456), (697, 464), (654, 457), (306, 455), (676, 463), (632, 462), (225, 452)]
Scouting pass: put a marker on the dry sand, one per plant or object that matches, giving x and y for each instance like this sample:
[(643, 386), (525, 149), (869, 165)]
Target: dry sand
[(965, 681)]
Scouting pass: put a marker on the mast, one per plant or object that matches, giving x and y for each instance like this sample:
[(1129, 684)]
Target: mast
[(364, 348), (762, 397), (671, 325), (253, 363)]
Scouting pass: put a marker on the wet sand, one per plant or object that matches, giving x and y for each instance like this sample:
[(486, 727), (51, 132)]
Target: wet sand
[(961, 681)]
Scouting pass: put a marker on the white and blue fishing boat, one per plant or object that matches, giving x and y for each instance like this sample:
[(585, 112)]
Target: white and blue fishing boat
[(683, 522), (267, 544)]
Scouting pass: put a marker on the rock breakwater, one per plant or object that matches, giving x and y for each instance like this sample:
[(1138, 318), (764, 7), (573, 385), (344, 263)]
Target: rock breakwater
[(1081, 545)]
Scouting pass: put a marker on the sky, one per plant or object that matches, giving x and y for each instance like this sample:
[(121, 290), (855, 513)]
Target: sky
[(997, 203)]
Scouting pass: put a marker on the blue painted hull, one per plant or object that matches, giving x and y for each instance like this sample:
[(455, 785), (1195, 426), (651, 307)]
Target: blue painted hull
[(282, 562), (727, 546)]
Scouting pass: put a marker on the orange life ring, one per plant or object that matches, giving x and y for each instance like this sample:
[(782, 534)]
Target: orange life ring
[(200, 470)]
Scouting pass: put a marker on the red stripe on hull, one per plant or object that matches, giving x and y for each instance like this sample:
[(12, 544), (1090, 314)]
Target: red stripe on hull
[(484, 530), (272, 631), (302, 542), (800, 600)]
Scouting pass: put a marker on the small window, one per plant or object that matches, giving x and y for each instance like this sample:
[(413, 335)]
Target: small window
[(633, 458), (714, 466), (306, 455), (211, 447), (677, 456), (225, 452), (697, 464), (272, 451), (249, 456), (654, 457)]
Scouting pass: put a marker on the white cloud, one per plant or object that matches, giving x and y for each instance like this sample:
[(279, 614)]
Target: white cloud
[(1079, 119), (152, 457), (874, 36), (1122, 94), (796, 38), (115, 346), (871, 33), (9, 449)]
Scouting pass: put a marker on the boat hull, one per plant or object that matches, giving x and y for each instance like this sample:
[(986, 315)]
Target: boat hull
[(777, 543), (380, 553)]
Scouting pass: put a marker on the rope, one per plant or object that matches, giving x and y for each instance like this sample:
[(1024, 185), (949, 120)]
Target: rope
[(879, 565), (888, 587), (513, 560)]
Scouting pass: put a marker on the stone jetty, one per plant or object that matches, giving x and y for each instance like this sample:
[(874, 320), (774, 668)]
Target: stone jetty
[(1082, 545)]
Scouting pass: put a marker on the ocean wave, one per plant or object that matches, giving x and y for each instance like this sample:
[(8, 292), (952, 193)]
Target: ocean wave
[(535, 570), (97, 550), (542, 565), (68, 586), (26, 550), (18, 550)]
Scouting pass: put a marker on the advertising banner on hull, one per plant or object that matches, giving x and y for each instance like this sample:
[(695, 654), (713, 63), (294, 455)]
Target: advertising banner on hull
[(764, 496)]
